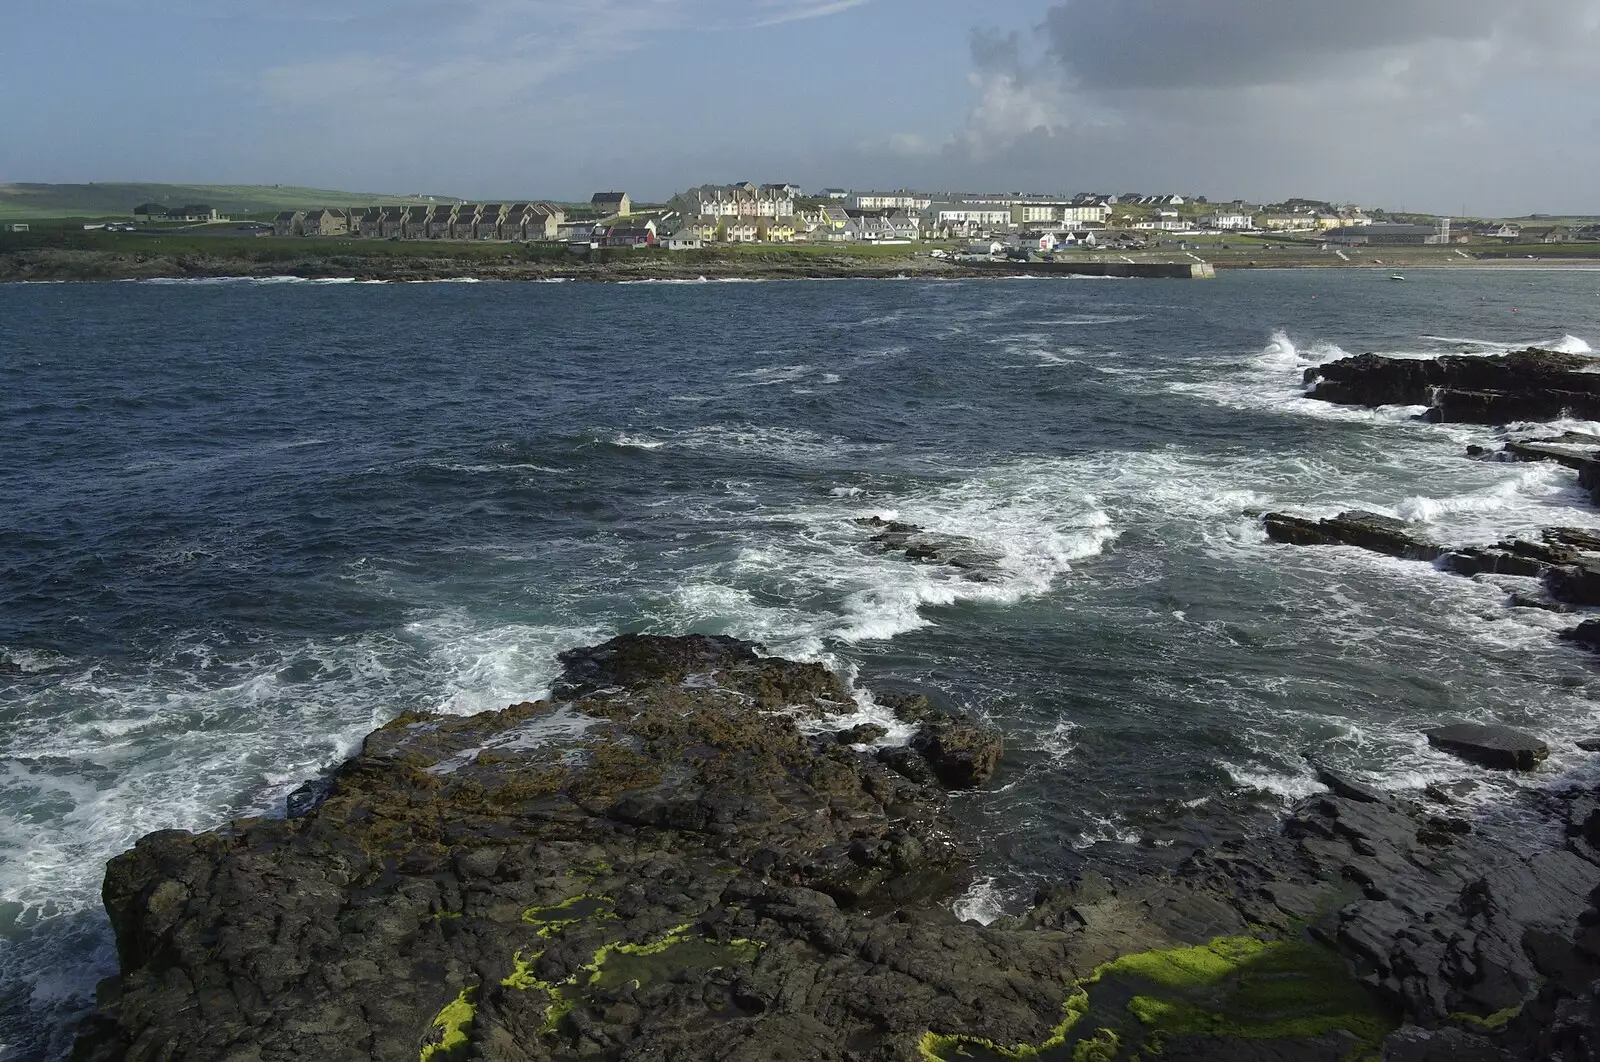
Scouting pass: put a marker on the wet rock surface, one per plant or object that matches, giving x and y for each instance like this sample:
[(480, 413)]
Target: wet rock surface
[(1492, 746), (914, 543), (1565, 560), (1371, 531), (1462, 923), (677, 858), (1531, 384)]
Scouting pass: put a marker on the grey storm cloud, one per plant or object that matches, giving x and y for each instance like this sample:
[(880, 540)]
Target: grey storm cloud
[(1436, 102), (1109, 45)]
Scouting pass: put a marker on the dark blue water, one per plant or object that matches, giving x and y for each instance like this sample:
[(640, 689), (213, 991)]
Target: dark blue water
[(243, 523)]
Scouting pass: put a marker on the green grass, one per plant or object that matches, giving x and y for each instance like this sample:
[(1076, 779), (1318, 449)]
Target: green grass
[(24, 202)]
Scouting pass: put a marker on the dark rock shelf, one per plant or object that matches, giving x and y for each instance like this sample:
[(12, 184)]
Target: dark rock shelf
[(685, 855)]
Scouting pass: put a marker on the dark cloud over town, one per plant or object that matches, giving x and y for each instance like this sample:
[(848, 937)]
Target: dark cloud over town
[(1435, 102)]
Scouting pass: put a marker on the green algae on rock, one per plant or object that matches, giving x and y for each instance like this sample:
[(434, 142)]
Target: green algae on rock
[(451, 1027), (1233, 988)]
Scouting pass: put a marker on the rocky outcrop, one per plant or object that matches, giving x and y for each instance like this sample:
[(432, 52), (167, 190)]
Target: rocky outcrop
[(1371, 531), (1532, 384), (1460, 921), (1565, 560), (961, 753), (677, 857), (924, 547), (1576, 450), (1491, 746)]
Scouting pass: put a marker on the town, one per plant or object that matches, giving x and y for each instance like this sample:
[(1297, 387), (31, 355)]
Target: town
[(988, 224)]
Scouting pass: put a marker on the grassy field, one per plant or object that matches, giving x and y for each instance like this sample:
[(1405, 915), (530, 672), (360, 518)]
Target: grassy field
[(27, 202), (225, 250)]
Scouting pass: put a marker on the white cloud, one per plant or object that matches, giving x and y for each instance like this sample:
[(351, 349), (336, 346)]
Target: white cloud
[(797, 13)]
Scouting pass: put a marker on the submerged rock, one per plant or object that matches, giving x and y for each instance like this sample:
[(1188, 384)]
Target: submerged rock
[(1586, 634), (926, 547), (1342, 786), (1564, 560), (1491, 746)]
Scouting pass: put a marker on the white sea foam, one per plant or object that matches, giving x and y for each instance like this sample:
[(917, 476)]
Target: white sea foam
[(491, 469), (750, 440), (775, 374), (1105, 829), (481, 668), (983, 902), (636, 442), (1283, 784), (1057, 744), (101, 758)]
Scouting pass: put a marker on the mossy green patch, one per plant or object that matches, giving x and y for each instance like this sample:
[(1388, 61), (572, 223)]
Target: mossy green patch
[(1497, 1020), (570, 912), (449, 1032), (1102, 1047), (620, 962), (648, 963), (1236, 987)]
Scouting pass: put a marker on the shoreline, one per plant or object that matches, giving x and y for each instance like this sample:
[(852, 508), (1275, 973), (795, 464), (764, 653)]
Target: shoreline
[(53, 265)]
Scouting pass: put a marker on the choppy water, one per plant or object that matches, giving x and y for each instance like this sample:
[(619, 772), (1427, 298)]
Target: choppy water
[(243, 523)]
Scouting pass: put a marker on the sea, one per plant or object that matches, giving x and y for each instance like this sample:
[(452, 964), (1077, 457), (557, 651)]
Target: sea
[(245, 522)]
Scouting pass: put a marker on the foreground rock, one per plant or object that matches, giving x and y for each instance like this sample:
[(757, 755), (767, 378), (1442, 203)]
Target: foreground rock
[(660, 863), (1474, 928), (1532, 384), (1491, 746), (663, 862)]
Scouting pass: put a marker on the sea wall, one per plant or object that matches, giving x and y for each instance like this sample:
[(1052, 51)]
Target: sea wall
[(1122, 270)]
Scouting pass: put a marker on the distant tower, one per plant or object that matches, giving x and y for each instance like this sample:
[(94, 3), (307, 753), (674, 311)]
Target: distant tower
[(1443, 236)]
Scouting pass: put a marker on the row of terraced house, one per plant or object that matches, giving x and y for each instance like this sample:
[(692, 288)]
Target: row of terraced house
[(460, 221)]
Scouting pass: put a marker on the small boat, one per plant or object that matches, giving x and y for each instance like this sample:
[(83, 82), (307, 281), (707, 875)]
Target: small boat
[(1397, 276)]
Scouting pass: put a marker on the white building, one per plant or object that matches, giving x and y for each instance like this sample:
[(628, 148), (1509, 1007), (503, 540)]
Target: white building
[(969, 215), (899, 200), (741, 201), (1231, 222)]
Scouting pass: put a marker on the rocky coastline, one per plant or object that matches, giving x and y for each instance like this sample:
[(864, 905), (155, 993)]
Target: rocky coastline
[(692, 850)]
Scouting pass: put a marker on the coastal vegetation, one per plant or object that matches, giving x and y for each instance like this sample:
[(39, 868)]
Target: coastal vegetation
[(27, 202)]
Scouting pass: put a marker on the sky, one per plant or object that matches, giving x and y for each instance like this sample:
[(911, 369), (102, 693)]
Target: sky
[(1478, 107)]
